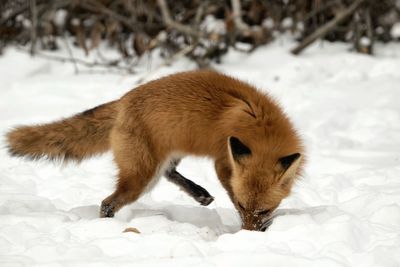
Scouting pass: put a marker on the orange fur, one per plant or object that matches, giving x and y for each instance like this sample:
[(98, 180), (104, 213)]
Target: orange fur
[(187, 113)]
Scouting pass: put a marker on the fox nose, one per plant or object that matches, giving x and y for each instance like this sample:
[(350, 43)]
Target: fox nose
[(257, 225)]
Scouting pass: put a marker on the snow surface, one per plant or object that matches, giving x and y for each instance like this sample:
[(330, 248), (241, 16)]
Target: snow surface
[(343, 212)]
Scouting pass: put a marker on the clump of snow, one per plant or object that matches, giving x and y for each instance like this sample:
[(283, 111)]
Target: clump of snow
[(60, 17), (268, 23), (395, 30), (287, 23), (365, 41), (344, 211), (211, 24)]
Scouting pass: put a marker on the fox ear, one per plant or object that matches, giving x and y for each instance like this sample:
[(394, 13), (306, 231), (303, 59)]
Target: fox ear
[(238, 149), (289, 165)]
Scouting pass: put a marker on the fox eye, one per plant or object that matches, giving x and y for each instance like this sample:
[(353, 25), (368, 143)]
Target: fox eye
[(264, 212)]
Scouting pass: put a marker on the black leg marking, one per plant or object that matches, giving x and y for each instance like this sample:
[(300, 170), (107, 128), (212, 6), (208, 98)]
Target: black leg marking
[(194, 190)]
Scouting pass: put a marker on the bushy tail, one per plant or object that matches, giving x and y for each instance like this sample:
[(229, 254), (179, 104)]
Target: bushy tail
[(74, 138)]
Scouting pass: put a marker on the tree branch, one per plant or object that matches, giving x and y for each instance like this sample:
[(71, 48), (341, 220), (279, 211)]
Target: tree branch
[(96, 6), (34, 26), (111, 64), (237, 16), (327, 27), (166, 15)]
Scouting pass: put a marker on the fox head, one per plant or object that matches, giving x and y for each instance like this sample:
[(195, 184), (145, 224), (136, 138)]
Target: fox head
[(260, 179)]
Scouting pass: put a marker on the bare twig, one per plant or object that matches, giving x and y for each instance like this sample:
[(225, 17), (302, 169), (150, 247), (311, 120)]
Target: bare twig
[(327, 27), (33, 9), (109, 65), (356, 31), (370, 31), (166, 15), (71, 55), (199, 13), (237, 16), (96, 6), (243, 30), (321, 8)]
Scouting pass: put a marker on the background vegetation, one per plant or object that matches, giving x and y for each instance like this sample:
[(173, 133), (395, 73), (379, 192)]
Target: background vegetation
[(202, 30)]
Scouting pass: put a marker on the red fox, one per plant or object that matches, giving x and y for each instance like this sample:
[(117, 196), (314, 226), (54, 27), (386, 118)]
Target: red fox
[(257, 152)]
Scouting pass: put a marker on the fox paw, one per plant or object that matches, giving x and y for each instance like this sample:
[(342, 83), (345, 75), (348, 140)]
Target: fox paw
[(106, 211), (205, 200)]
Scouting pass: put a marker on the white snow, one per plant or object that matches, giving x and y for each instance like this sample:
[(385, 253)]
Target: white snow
[(213, 25), (344, 211), (395, 31), (365, 41)]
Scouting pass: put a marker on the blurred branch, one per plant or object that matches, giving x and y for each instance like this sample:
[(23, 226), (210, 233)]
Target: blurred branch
[(96, 6), (237, 16), (370, 31), (327, 27), (27, 5), (111, 64), (166, 15), (316, 11), (71, 55), (34, 26)]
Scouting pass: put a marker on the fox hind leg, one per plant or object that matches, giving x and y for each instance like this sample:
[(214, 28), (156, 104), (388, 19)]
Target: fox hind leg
[(137, 167)]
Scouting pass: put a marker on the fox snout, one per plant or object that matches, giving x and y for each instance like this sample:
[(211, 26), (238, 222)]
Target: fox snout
[(256, 222)]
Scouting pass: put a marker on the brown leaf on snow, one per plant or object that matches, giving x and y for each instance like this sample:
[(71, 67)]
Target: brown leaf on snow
[(140, 43), (131, 229)]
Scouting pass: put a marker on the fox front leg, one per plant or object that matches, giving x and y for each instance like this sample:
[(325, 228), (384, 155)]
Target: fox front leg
[(194, 190)]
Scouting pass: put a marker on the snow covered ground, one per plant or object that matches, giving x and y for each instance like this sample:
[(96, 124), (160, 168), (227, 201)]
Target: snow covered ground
[(345, 211)]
